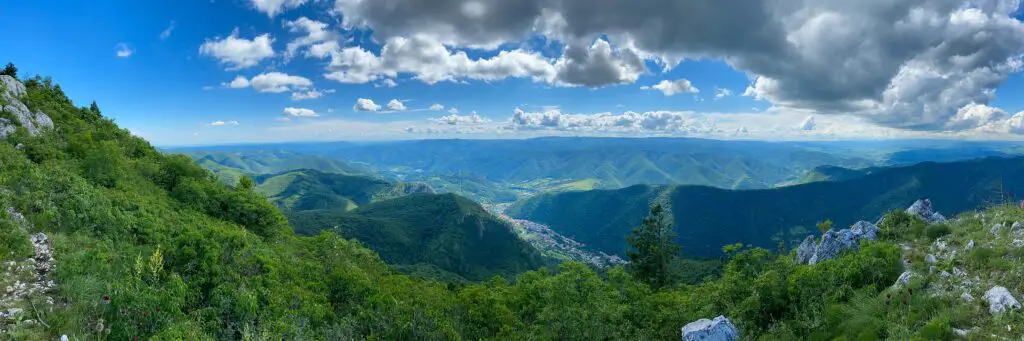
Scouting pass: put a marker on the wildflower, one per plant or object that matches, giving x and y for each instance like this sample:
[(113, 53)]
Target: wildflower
[(905, 301), (145, 313), (106, 299), (910, 291), (158, 310)]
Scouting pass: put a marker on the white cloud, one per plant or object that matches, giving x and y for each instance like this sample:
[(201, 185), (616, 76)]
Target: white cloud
[(274, 7), (363, 104), (436, 107), (722, 93), (455, 119), (453, 111), (670, 88), (278, 82), (387, 82), (166, 33), (304, 95), (316, 33), (239, 53), (975, 115), (396, 105), (238, 83), (124, 51), (906, 64), (223, 123), (299, 112)]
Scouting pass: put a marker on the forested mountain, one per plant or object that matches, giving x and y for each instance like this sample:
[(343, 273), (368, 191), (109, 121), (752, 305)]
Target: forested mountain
[(707, 218), (444, 231), (308, 189), (232, 164)]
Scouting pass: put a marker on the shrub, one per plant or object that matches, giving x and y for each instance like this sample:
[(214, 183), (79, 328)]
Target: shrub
[(935, 231)]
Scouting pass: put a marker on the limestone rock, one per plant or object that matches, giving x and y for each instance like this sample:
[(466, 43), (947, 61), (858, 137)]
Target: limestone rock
[(806, 250), (1015, 226), (719, 329), (34, 123), (835, 242), (966, 296), (996, 228), (930, 259), (905, 278), (12, 87), (970, 245), (1000, 300), (923, 209)]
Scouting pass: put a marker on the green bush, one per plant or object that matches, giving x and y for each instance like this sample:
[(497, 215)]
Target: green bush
[(938, 230)]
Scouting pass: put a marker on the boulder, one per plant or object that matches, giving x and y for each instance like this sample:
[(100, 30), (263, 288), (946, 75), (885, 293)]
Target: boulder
[(1015, 226), (835, 242), (905, 278), (719, 329), (12, 88), (13, 107), (806, 250), (930, 259), (996, 228), (970, 245), (923, 210), (1000, 300), (966, 296), (6, 128)]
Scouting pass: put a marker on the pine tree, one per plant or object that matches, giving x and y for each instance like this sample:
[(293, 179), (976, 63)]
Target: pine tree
[(245, 183), (652, 248), (10, 70)]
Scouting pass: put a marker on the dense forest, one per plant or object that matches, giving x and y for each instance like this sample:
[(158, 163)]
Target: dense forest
[(152, 246)]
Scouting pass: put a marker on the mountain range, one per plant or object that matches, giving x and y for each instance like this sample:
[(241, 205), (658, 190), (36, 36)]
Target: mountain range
[(708, 218)]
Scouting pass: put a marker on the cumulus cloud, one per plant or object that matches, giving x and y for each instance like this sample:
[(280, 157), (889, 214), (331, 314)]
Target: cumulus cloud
[(455, 119), (396, 105), (238, 53), (274, 7), (910, 64), (453, 111), (278, 82), (124, 51), (299, 112), (363, 104), (387, 82), (166, 33), (238, 83), (670, 88), (311, 94), (315, 32), (661, 121), (975, 115), (436, 107)]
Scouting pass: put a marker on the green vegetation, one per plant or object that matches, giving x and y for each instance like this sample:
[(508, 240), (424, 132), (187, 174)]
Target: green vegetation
[(152, 246), (229, 166), (652, 248), (307, 189), (10, 70), (708, 218)]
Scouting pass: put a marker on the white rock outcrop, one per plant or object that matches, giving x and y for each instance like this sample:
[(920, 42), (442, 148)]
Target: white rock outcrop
[(905, 278), (719, 329), (835, 242), (1000, 300), (13, 107), (922, 208), (806, 250)]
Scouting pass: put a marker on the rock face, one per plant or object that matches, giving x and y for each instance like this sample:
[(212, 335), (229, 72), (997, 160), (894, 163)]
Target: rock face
[(835, 242), (923, 209), (905, 278), (719, 329), (1000, 300), (806, 250), (419, 187), (34, 123)]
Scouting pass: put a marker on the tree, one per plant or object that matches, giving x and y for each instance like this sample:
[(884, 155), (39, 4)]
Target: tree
[(652, 248), (245, 183), (10, 70), (825, 226)]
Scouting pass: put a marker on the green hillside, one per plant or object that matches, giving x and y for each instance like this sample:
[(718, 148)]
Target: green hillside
[(307, 189), (708, 218), (124, 242), (828, 173), (449, 232)]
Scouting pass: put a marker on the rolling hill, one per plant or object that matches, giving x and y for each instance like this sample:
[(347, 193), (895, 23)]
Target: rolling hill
[(445, 231), (230, 164), (308, 189), (707, 218)]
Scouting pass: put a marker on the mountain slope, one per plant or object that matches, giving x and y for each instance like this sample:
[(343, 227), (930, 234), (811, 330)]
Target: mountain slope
[(230, 165), (707, 218), (308, 189), (446, 231)]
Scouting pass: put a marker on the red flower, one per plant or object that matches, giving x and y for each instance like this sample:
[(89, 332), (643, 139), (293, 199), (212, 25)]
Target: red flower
[(145, 313), (158, 310), (106, 299)]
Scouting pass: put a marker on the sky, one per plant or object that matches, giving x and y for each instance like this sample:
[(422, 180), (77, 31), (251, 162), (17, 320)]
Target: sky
[(250, 71)]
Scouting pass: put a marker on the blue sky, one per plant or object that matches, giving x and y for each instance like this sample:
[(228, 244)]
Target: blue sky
[(165, 88)]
